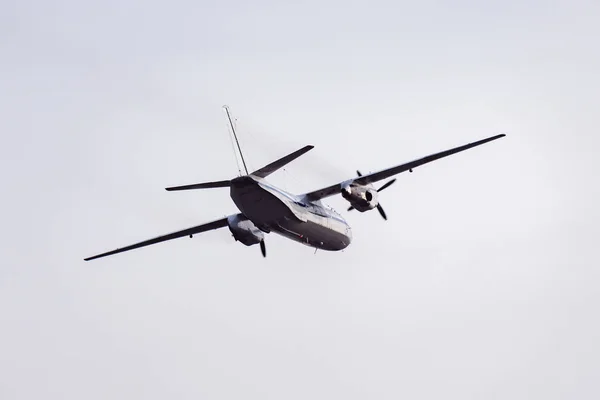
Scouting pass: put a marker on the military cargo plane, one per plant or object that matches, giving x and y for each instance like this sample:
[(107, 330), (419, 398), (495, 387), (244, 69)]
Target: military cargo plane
[(303, 218)]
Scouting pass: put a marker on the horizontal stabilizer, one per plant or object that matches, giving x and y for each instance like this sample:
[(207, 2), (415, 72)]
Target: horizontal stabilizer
[(275, 165), (205, 185)]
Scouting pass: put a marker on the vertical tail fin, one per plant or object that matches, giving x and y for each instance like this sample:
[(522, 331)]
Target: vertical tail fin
[(236, 140)]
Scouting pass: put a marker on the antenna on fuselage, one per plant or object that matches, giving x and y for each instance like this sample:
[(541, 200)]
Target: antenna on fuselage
[(236, 139)]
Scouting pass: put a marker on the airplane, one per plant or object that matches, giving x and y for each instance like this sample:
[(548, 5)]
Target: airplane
[(302, 218)]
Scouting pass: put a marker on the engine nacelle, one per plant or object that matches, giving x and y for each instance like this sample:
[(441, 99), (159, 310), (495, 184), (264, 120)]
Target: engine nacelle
[(362, 198), (244, 230)]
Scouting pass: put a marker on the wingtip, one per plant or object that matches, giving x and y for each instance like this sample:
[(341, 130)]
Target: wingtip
[(495, 137)]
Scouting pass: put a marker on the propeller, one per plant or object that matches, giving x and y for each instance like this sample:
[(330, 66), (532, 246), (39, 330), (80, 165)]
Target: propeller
[(380, 209), (385, 186), (263, 248)]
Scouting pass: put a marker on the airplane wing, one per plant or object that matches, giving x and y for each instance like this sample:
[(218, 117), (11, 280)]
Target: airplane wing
[(186, 232), (386, 173)]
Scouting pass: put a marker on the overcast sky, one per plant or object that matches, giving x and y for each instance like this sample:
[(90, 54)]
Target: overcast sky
[(482, 284)]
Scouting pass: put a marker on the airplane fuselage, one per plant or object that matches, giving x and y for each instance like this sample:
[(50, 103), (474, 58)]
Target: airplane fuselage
[(274, 210)]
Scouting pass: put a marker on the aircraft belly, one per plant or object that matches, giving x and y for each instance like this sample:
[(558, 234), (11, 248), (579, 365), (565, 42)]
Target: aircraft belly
[(314, 234)]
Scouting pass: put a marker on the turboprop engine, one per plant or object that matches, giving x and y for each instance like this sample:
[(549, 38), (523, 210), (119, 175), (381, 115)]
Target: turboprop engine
[(364, 197), (243, 230)]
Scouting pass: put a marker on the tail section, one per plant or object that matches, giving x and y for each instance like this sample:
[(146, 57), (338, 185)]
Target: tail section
[(267, 169), (237, 142), (260, 173)]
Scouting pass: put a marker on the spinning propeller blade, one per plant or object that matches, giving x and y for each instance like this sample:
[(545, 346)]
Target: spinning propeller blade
[(387, 184), (263, 248), (380, 209)]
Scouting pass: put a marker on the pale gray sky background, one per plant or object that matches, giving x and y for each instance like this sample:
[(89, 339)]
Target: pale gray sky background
[(483, 283)]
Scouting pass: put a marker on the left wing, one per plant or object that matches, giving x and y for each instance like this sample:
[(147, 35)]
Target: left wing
[(186, 232), (386, 173)]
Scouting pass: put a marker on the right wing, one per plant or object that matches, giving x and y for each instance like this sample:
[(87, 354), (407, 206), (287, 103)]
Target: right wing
[(186, 232), (386, 173)]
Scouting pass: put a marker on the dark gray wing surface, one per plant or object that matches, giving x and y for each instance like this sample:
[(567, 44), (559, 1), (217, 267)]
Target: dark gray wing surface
[(282, 162), (386, 173), (205, 185), (186, 232)]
